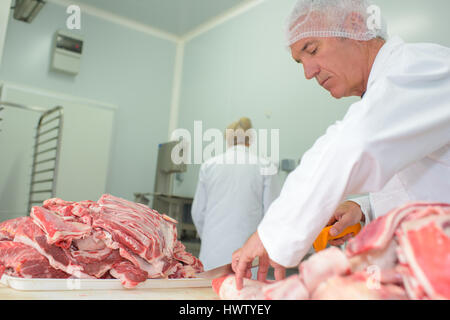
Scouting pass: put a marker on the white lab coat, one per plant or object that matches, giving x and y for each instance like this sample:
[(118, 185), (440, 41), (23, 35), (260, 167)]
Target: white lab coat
[(394, 143), (230, 202)]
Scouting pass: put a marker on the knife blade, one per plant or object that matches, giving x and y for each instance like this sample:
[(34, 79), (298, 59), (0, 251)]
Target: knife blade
[(215, 273), (221, 271)]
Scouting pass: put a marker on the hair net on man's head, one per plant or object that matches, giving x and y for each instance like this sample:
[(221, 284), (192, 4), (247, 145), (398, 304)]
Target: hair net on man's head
[(353, 19)]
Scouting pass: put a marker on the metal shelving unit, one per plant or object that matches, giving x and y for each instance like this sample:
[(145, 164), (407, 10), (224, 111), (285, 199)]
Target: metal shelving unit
[(47, 147), (46, 152)]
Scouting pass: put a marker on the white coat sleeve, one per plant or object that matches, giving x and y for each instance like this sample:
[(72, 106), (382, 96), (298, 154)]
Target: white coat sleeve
[(402, 118), (198, 210)]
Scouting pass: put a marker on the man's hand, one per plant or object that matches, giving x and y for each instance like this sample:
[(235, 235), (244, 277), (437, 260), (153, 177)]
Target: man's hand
[(242, 261), (347, 214)]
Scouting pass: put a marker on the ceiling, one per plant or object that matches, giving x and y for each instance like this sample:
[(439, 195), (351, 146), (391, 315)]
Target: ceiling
[(177, 17)]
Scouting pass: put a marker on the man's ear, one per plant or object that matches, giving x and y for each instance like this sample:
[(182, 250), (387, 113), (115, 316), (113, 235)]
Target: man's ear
[(354, 23)]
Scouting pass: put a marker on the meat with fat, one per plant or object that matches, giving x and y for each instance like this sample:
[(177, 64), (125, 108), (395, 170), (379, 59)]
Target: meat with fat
[(225, 287), (108, 238), (356, 287), (20, 260), (59, 230), (404, 254), (424, 249)]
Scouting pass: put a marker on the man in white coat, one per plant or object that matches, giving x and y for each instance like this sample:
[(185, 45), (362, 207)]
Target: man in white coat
[(233, 192), (394, 143)]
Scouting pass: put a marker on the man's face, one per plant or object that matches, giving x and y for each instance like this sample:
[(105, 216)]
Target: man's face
[(336, 64)]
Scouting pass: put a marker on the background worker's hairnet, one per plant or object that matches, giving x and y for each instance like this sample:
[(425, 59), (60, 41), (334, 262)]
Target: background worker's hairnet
[(353, 19)]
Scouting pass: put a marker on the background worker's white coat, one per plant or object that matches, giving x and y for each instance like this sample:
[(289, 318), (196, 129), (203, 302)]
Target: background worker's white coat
[(399, 132), (229, 203)]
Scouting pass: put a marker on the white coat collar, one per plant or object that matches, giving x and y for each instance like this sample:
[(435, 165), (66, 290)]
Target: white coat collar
[(382, 58), (240, 147)]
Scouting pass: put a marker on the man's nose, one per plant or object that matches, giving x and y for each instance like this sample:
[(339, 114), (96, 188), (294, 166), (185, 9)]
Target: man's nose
[(311, 70)]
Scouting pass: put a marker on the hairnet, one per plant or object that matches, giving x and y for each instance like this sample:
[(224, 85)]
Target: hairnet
[(354, 19)]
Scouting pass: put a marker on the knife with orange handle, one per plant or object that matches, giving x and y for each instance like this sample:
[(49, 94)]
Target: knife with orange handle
[(322, 240)]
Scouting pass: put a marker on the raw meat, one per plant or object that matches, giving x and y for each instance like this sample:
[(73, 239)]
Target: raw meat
[(379, 233), (424, 246), (30, 234), (193, 265), (288, 289), (140, 229), (355, 287), (59, 230), (323, 265), (20, 260), (402, 255), (110, 238), (291, 288), (8, 228), (130, 275), (225, 287), (145, 237)]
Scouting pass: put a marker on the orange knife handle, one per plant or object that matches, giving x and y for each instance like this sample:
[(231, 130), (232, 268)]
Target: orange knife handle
[(352, 229), (322, 240)]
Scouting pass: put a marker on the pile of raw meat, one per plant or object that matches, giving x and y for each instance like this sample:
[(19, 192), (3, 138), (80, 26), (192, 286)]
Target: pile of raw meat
[(110, 238), (404, 254)]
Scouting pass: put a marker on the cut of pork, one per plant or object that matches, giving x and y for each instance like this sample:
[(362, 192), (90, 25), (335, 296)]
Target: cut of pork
[(154, 270), (59, 230), (96, 262), (30, 234), (145, 233), (356, 287), (129, 275), (424, 248), (20, 260), (378, 234), (145, 237), (112, 237), (187, 259), (225, 287), (402, 255), (84, 264), (9, 227), (291, 288), (323, 265)]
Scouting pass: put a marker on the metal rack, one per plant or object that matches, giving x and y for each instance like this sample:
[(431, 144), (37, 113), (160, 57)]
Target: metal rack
[(46, 152)]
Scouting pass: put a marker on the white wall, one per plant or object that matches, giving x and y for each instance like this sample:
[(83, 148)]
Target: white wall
[(5, 6), (84, 155), (241, 68), (120, 66)]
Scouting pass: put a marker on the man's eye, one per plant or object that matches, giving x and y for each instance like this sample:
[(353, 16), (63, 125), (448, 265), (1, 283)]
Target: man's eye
[(314, 51)]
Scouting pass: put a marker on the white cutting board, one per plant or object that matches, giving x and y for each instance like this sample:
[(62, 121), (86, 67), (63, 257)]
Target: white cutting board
[(97, 284)]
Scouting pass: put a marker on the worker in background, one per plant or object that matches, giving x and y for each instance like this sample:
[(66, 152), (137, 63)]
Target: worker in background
[(394, 143), (232, 195)]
